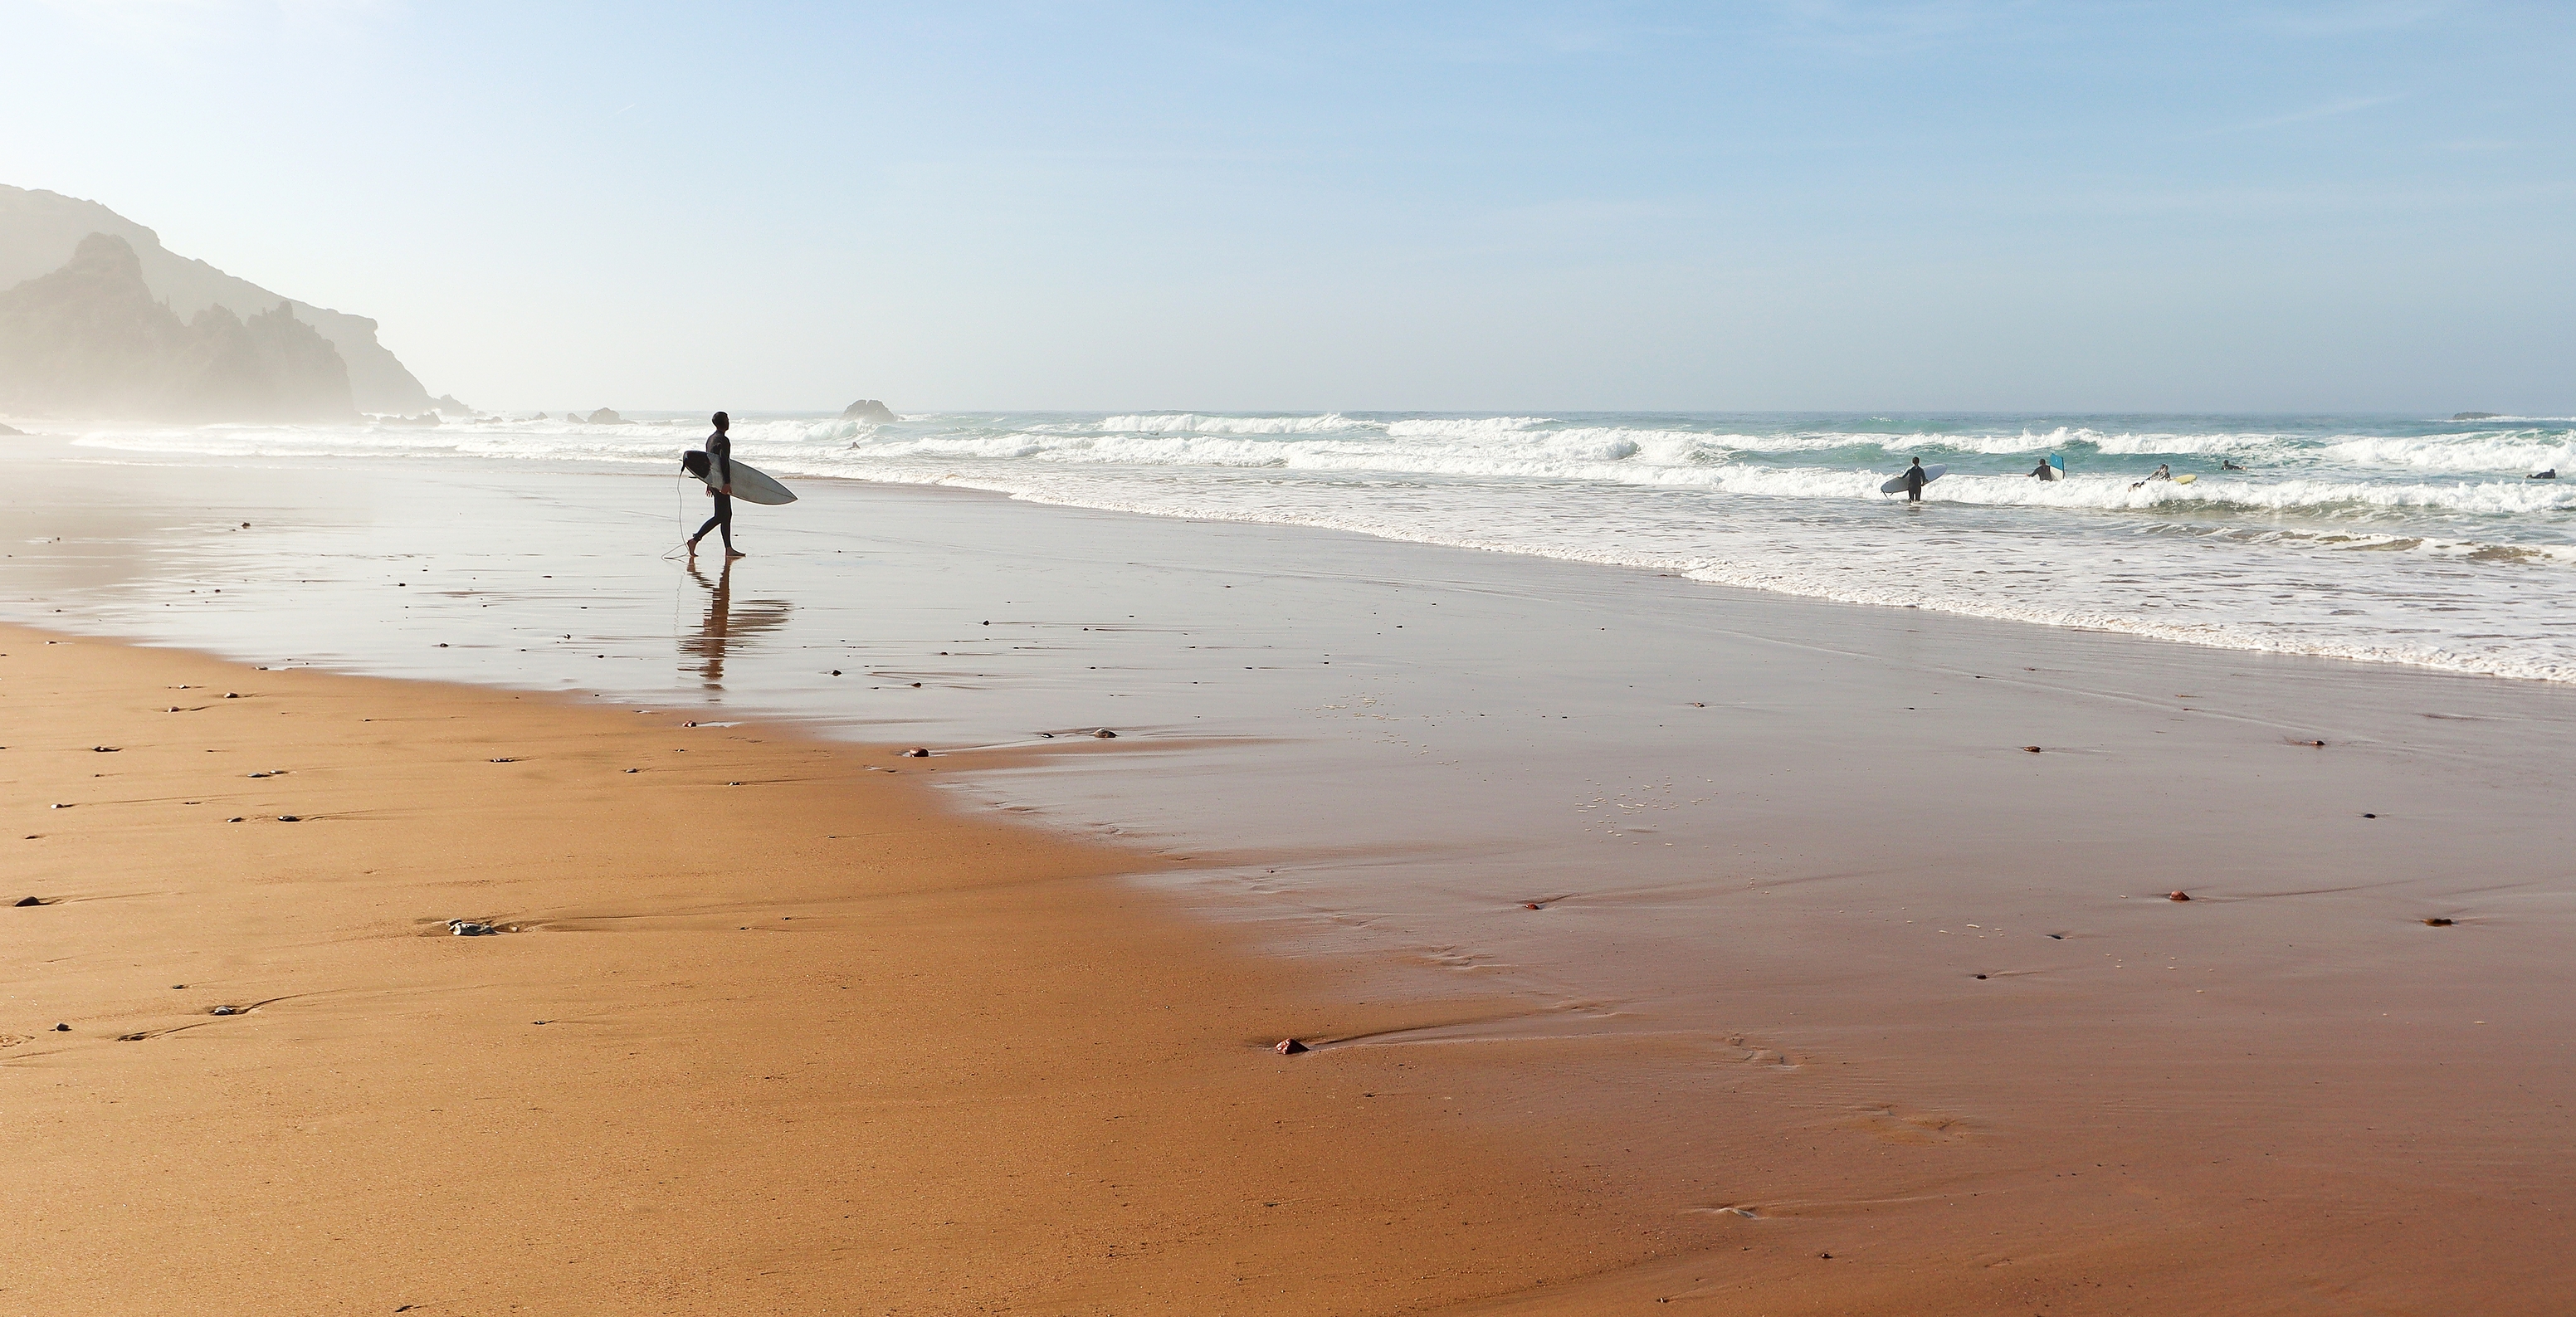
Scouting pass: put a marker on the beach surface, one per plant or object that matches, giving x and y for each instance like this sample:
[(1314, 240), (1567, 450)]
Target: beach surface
[(1720, 948), (763, 1028)]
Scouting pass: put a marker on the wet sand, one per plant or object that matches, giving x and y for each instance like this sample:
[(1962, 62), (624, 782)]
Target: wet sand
[(769, 1031), (1826, 963)]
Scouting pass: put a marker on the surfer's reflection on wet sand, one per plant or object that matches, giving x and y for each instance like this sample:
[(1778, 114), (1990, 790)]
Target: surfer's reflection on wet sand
[(724, 624)]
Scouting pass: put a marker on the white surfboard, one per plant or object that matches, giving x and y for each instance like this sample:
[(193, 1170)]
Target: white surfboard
[(751, 484), (1897, 486)]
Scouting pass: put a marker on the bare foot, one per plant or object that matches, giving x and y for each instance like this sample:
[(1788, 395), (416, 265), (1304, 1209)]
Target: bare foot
[(736, 553)]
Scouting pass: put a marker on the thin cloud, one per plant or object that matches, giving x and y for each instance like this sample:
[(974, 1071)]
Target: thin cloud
[(2329, 110)]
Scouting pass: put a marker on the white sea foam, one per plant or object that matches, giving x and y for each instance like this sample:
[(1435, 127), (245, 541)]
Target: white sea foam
[(2405, 541), (1191, 423)]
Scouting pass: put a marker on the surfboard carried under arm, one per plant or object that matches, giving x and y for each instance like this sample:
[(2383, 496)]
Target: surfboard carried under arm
[(1897, 486), (750, 483)]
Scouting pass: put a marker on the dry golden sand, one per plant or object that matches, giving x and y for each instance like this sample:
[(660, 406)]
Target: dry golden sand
[(778, 1032)]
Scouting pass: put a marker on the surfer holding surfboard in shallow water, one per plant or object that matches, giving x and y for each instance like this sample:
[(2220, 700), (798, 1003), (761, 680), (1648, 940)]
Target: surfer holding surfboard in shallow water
[(727, 480), (715, 466)]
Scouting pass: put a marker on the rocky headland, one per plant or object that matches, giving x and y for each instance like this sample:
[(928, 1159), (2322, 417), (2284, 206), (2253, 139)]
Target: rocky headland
[(42, 233), (91, 339)]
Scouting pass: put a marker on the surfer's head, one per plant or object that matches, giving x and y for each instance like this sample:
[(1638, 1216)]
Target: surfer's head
[(723, 420), (695, 462)]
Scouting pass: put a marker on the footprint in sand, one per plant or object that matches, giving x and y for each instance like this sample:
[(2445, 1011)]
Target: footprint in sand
[(1919, 1128)]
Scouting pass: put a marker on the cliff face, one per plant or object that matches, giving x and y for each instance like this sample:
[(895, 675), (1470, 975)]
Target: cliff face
[(91, 339), (40, 230)]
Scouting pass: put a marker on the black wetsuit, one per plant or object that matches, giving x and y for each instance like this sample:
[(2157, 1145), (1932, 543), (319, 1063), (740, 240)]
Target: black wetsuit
[(1914, 482), (719, 477)]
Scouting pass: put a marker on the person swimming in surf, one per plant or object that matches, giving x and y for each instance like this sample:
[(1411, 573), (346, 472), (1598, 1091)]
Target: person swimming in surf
[(715, 466), (1915, 480), (2228, 464)]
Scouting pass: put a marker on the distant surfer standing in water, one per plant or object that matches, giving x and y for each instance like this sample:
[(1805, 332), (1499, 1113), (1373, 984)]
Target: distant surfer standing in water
[(715, 466), (1915, 480)]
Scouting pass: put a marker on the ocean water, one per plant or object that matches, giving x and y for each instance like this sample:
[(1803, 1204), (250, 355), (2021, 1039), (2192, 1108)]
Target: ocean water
[(2396, 539)]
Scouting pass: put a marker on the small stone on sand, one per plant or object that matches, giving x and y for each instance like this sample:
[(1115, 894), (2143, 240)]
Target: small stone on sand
[(2032, 749), (1106, 734), (225, 1010), (2436, 922), (2177, 896), (2370, 816), (290, 818), (915, 753), (1532, 905), (62, 1028), (1289, 1047), (25, 901)]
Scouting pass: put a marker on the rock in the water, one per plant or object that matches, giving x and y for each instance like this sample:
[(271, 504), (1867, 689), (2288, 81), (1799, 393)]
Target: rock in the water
[(446, 404), (869, 410), (2473, 416), (10, 430), (605, 417)]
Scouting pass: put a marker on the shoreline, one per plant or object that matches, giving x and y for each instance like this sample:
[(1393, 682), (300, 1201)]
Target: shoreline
[(1727, 1005), (948, 1067), (2394, 573)]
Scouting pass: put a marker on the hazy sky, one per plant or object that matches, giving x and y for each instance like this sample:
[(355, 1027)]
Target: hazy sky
[(1524, 207)]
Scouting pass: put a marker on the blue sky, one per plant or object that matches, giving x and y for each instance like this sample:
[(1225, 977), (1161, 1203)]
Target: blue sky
[(1517, 207)]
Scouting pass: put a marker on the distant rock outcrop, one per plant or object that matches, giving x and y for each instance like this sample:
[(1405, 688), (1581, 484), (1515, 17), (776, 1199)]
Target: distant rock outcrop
[(601, 417), (2474, 416), (447, 405), (5, 430), (869, 410), (90, 339), (39, 232)]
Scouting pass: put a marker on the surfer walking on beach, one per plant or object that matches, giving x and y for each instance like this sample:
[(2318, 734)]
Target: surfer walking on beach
[(715, 466), (1915, 480)]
